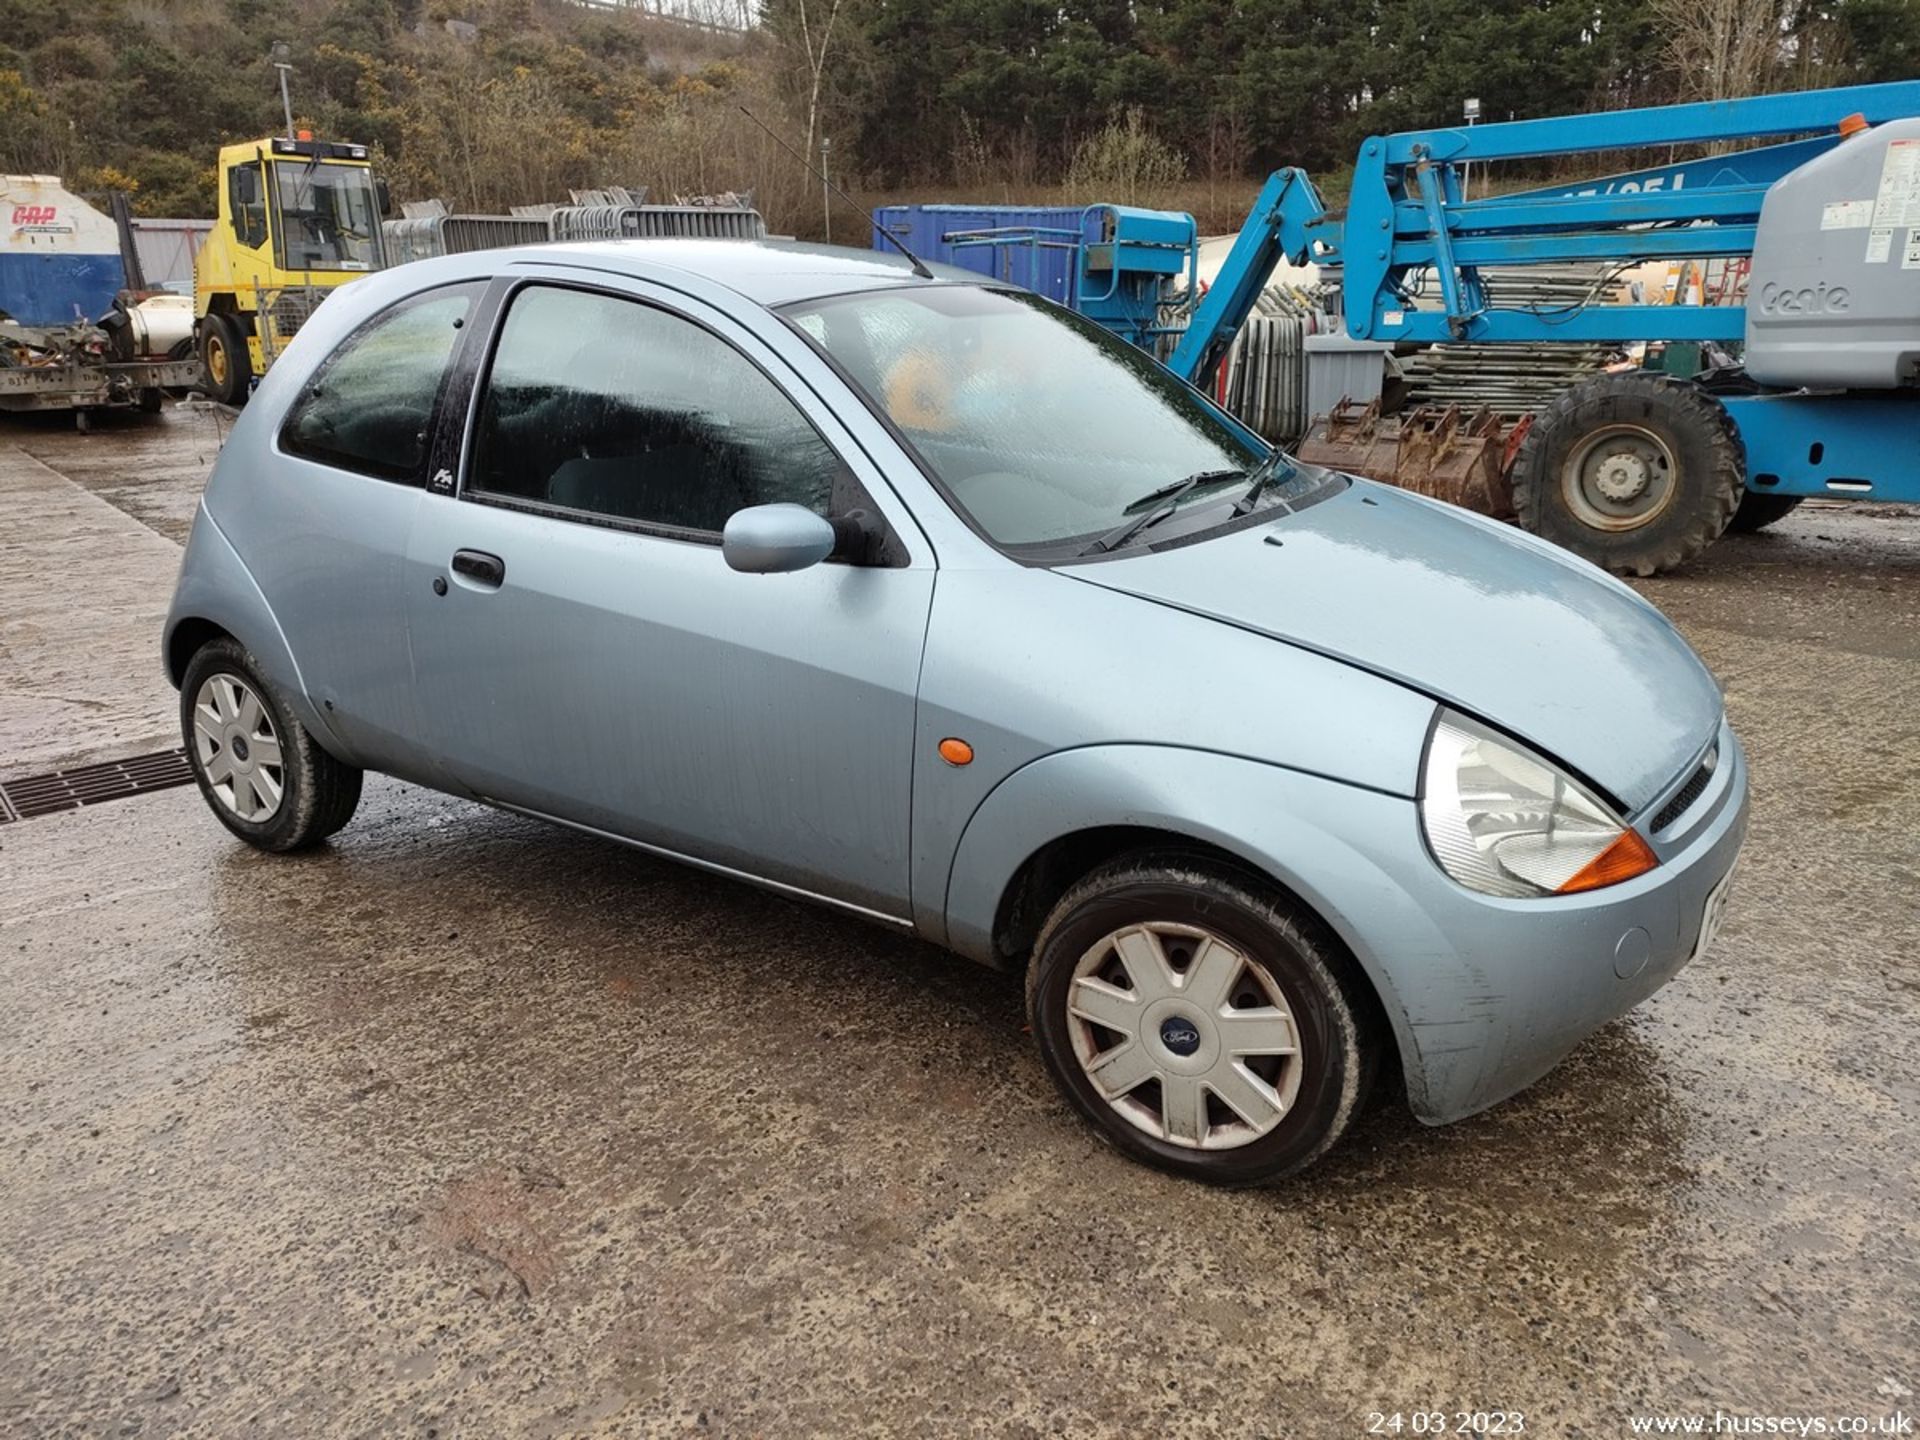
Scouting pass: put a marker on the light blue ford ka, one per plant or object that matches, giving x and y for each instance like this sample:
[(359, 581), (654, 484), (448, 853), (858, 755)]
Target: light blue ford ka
[(917, 596)]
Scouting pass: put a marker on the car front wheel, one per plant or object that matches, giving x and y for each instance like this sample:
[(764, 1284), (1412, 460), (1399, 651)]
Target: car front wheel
[(1203, 1023), (257, 767)]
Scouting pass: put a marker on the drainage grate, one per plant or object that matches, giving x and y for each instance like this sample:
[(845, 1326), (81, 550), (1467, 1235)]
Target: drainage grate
[(90, 784)]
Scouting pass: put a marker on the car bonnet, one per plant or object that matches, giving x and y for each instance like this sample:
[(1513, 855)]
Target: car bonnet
[(1529, 638)]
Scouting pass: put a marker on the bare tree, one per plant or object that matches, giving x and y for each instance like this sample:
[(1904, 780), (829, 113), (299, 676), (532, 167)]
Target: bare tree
[(1229, 150), (815, 48), (1721, 49)]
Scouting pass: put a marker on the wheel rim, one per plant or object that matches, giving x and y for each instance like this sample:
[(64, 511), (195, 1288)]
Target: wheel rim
[(237, 748), (1185, 1035), (216, 360), (1620, 478)]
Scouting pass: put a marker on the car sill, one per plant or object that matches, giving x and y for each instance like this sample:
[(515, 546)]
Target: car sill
[(792, 892)]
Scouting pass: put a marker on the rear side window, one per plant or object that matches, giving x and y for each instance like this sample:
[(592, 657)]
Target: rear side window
[(617, 409), (370, 407)]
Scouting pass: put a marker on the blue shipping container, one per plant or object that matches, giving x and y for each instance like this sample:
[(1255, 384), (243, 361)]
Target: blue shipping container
[(1115, 264), (981, 238)]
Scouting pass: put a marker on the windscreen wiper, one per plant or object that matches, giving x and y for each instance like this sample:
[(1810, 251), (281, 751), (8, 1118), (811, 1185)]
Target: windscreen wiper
[(1179, 488), (1262, 477), (1169, 497)]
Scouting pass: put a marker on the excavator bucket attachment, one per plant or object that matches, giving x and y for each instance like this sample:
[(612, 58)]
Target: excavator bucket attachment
[(1356, 439), (1447, 454)]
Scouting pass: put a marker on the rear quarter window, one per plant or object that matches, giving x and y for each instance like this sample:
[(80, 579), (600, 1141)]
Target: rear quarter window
[(369, 408)]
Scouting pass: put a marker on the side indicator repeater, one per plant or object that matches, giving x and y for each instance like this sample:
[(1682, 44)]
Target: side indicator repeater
[(956, 752)]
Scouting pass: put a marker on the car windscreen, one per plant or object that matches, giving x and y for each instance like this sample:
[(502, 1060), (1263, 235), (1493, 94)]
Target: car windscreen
[(329, 217), (1040, 425)]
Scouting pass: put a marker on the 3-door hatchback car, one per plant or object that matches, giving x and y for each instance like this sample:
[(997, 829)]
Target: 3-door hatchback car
[(920, 597)]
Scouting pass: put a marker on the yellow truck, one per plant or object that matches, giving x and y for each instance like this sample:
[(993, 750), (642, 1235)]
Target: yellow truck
[(298, 217)]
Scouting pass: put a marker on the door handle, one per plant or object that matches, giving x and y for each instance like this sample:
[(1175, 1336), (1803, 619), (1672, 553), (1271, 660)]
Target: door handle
[(488, 571)]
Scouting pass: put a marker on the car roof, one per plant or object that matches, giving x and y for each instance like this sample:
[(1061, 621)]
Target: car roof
[(769, 272)]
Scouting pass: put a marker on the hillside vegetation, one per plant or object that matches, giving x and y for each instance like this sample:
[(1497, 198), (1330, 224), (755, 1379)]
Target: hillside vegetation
[(488, 103), (511, 102)]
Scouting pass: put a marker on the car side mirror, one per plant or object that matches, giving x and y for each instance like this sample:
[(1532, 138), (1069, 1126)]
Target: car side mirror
[(383, 195), (775, 539)]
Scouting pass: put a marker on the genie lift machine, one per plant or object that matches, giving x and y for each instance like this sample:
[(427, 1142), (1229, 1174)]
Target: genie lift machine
[(1636, 469)]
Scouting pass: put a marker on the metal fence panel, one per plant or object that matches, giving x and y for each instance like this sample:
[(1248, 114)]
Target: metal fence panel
[(166, 249), (462, 234), (652, 222), (423, 237)]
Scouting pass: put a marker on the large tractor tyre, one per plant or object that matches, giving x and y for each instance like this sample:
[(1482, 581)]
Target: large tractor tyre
[(1757, 511), (1637, 472), (223, 354)]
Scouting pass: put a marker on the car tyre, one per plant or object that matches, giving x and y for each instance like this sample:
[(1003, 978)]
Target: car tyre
[(1637, 472), (257, 767), (1293, 974)]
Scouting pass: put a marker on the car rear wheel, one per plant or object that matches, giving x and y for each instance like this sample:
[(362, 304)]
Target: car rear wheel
[(257, 767), (1204, 1024)]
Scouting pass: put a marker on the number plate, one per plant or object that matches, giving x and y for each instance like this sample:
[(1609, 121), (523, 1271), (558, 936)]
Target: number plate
[(1715, 911)]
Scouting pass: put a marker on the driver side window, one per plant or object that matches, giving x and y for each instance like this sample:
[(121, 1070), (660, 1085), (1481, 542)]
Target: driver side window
[(247, 204), (619, 409)]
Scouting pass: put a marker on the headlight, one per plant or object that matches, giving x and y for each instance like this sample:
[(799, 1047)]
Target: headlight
[(1503, 821)]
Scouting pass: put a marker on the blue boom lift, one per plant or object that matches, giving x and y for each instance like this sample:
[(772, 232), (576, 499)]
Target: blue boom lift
[(1640, 471)]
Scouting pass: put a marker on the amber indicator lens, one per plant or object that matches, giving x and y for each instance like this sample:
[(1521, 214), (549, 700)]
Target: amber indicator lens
[(1622, 860), (956, 752)]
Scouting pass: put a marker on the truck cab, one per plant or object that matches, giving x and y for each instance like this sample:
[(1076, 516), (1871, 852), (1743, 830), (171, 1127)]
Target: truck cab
[(298, 217)]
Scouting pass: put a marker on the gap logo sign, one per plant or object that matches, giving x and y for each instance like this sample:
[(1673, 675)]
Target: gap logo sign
[(38, 217)]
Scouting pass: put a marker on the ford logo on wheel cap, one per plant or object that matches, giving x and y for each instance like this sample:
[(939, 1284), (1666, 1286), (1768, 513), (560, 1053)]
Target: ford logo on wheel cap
[(1179, 1036)]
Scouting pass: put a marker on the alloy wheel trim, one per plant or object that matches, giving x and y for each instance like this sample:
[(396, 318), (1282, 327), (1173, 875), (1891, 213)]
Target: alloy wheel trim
[(237, 749), (1200, 1049)]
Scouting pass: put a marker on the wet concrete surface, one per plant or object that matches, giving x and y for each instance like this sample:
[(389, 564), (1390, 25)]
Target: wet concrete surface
[(151, 467), (84, 587), (467, 1126)]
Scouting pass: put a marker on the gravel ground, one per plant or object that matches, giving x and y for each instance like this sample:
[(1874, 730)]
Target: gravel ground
[(467, 1126)]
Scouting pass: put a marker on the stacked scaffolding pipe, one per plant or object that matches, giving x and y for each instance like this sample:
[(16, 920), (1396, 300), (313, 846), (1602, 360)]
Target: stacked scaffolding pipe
[(1514, 379), (1508, 379)]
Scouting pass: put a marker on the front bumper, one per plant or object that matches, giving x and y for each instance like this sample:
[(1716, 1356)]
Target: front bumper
[(1493, 993), (1484, 995)]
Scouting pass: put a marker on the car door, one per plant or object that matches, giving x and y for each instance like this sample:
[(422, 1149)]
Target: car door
[(324, 523), (584, 651)]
